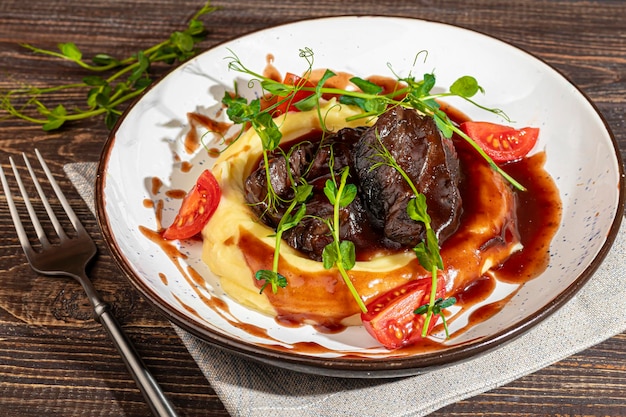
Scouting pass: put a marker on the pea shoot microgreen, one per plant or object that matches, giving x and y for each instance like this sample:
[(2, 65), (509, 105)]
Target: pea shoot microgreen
[(240, 111), (341, 253), (121, 79), (437, 310), (288, 221), (426, 251)]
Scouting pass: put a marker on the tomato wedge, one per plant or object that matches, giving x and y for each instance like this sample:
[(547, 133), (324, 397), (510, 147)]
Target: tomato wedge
[(502, 143), (390, 317), (292, 99), (197, 208)]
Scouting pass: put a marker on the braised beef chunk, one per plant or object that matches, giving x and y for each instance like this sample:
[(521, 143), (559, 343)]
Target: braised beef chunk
[(377, 218), (256, 189), (429, 160)]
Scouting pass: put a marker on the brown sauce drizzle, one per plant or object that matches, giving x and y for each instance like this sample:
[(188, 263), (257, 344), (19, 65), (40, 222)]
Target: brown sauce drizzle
[(177, 194), (539, 217), (197, 282), (156, 184), (193, 140), (186, 166)]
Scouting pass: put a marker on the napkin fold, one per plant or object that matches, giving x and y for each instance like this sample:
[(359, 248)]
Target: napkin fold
[(252, 389)]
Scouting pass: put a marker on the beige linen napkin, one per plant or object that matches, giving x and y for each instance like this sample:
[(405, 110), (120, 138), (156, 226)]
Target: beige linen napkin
[(252, 389)]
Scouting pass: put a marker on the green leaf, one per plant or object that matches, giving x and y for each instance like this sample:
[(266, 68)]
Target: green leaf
[(423, 256), (438, 307), (348, 254), (426, 85), (120, 89), (142, 83), (267, 130), (110, 119), (348, 195), (272, 278), (465, 86), (195, 27), (303, 192), (307, 103), (102, 100), (94, 80), (329, 255), (432, 243), (448, 302), (91, 96), (330, 191), (291, 220), (53, 124), (59, 111), (443, 123), (238, 109), (105, 60), (366, 86), (71, 51), (183, 41), (327, 74), (353, 101), (276, 88), (416, 209), (423, 309), (369, 105), (143, 63)]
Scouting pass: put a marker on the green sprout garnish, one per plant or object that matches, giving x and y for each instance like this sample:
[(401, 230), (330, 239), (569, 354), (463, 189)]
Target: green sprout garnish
[(437, 310), (341, 253), (427, 251), (125, 78), (288, 221)]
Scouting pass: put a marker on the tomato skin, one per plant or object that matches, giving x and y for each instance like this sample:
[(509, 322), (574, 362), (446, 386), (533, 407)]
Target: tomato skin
[(502, 143), (289, 104), (390, 317), (196, 209)]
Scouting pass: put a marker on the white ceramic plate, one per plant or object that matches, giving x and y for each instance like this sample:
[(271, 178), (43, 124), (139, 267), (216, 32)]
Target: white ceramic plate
[(582, 158)]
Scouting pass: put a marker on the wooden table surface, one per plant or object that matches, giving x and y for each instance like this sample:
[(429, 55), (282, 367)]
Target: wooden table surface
[(56, 361)]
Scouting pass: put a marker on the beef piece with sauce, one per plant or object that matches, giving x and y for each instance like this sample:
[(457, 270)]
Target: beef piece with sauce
[(256, 189), (311, 161), (429, 160)]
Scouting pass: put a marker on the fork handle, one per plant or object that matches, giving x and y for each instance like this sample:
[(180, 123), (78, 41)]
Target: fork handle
[(152, 392)]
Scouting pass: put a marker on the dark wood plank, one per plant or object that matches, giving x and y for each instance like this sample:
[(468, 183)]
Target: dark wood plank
[(55, 361)]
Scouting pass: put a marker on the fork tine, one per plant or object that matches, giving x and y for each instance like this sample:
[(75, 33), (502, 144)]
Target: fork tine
[(17, 222), (78, 226), (53, 218), (41, 235)]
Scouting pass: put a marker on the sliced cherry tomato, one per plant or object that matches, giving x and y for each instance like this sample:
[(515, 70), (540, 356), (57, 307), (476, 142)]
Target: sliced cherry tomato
[(502, 143), (390, 317), (197, 208), (291, 100)]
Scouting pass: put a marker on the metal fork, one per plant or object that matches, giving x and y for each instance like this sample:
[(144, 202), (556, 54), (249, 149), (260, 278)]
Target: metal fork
[(69, 257)]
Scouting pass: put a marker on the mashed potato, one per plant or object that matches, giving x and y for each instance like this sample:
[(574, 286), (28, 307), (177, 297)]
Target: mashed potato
[(236, 244)]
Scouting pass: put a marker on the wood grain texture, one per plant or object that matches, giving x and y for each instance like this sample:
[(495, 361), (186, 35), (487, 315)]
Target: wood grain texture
[(56, 361)]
